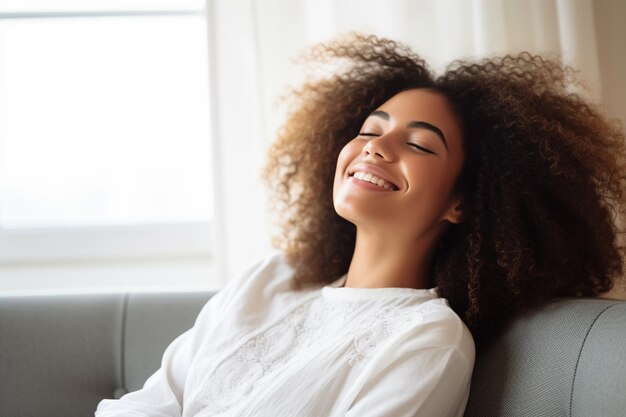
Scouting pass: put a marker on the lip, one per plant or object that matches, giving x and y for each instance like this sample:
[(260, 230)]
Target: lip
[(371, 169)]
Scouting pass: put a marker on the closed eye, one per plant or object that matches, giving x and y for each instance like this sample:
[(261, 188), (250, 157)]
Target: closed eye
[(420, 148), (410, 144)]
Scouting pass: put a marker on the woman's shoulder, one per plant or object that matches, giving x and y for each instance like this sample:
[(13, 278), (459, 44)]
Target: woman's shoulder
[(250, 294), (259, 282), (269, 272), (439, 326)]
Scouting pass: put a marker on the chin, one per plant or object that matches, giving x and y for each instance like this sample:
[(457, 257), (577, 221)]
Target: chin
[(359, 216), (343, 212)]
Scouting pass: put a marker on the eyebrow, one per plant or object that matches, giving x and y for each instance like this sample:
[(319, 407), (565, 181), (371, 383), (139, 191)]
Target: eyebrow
[(415, 124)]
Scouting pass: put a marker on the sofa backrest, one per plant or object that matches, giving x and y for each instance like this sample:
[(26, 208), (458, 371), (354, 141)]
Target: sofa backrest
[(60, 355), (567, 359)]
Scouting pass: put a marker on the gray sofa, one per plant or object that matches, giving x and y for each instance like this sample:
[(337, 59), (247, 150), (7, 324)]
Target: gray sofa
[(60, 355)]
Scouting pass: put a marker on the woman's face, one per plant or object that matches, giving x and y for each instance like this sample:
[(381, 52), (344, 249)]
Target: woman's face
[(411, 148)]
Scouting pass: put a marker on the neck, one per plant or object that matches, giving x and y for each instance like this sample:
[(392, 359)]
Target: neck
[(387, 261)]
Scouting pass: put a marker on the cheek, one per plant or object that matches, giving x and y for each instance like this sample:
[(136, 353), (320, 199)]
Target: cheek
[(428, 186), (432, 193), (345, 158), (425, 173)]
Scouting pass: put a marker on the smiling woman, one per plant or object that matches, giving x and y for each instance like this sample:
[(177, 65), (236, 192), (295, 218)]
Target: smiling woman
[(516, 206), (419, 215), (402, 223)]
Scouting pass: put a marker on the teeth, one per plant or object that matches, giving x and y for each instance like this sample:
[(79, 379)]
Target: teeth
[(366, 176)]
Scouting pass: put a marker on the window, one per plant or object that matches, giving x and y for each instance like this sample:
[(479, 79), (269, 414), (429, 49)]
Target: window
[(105, 151)]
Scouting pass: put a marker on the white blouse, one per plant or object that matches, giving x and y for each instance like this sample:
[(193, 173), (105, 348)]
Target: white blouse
[(261, 349)]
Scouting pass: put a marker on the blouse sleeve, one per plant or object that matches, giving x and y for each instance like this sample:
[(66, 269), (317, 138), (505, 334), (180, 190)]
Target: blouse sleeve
[(162, 393), (428, 382)]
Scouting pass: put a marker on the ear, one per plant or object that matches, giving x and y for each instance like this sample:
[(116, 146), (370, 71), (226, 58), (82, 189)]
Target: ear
[(454, 214)]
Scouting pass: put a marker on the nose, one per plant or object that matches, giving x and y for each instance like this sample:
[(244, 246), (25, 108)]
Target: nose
[(379, 148)]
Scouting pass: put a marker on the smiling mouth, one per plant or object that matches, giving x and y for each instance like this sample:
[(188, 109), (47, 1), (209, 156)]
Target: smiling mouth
[(373, 179)]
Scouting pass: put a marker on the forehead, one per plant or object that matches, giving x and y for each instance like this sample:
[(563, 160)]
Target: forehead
[(423, 105)]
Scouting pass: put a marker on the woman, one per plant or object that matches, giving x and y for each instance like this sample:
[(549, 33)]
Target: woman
[(419, 215)]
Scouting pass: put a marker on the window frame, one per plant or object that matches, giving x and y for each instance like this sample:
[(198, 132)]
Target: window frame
[(144, 243)]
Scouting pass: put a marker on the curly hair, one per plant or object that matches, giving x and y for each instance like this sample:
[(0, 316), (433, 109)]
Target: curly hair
[(542, 183)]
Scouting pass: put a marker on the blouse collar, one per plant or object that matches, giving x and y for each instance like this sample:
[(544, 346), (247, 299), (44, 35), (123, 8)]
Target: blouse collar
[(336, 291)]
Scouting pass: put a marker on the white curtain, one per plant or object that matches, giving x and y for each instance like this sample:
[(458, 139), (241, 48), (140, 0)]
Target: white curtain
[(255, 41)]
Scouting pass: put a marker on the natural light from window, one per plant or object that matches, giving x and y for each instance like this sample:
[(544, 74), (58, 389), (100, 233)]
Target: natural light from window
[(105, 120)]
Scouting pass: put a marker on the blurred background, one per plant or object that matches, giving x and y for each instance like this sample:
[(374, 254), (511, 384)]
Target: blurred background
[(132, 133)]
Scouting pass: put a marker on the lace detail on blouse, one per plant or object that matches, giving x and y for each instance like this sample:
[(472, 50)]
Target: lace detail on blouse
[(376, 329), (271, 350), (236, 376)]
